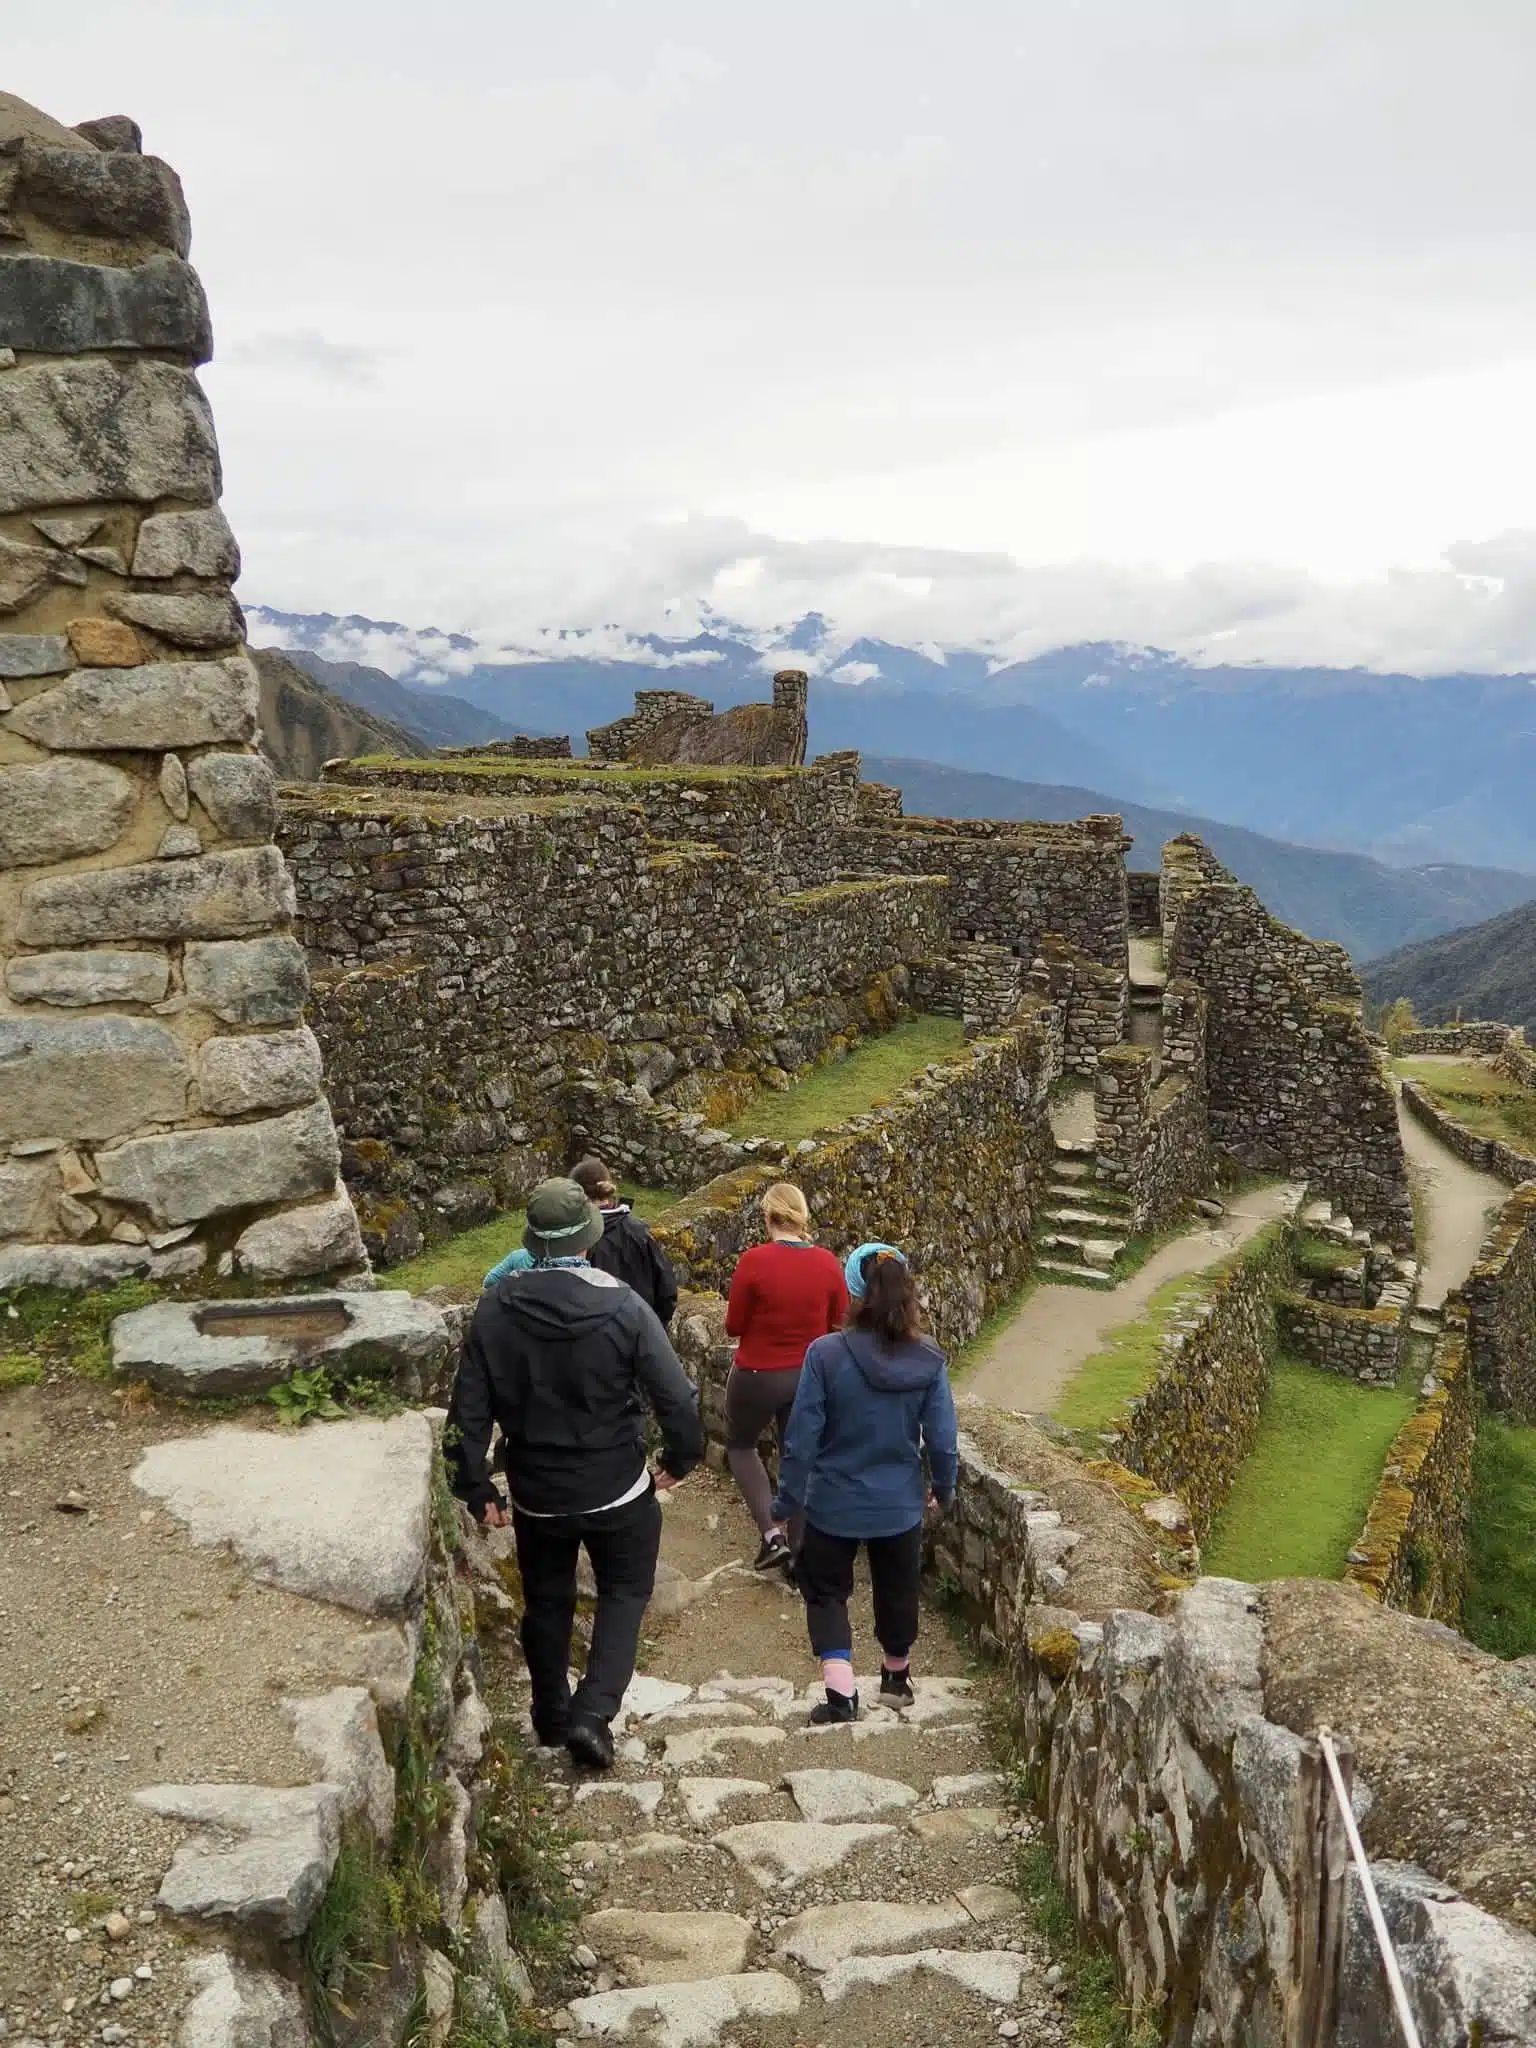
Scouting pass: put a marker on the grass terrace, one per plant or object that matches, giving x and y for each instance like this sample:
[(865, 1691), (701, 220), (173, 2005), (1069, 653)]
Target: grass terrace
[(1500, 1612), (863, 1079), (462, 1262), (1300, 1500), (1488, 1103), (577, 771)]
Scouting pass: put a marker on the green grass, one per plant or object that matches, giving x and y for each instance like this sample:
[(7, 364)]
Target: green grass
[(55, 1327), (463, 1261), (844, 1088), (1301, 1496), (1127, 1364), (1318, 1258), (1500, 1612), (1488, 1103), (19, 1369)]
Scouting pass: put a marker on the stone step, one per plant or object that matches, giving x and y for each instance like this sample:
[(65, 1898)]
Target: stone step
[(1089, 1275), (847, 1795), (993, 1974), (1068, 1214), (823, 1936), (1089, 1195), (686, 2014), (1099, 1252), (1071, 1170), (1074, 1148), (777, 1853)]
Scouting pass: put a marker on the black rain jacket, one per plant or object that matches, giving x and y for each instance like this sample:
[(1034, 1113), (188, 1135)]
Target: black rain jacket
[(628, 1251), (565, 1359)]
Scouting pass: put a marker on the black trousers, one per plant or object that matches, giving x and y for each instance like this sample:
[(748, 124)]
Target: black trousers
[(622, 1544), (824, 1573)]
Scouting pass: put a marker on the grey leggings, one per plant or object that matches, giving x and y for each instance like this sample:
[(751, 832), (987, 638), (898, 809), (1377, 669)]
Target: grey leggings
[(753, 1401)]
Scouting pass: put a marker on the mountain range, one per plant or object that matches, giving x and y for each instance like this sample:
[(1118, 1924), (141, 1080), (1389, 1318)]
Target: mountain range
[(1488, 971), (1410, 769)]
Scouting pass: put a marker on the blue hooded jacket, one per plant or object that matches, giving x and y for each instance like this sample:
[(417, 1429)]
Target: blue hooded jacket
[(863, 1417)]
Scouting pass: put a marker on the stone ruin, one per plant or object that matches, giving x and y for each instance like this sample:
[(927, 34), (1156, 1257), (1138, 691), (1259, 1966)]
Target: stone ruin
[(160, 1092), (671, 726)]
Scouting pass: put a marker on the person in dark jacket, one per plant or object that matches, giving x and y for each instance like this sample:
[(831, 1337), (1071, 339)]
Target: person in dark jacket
[(627, 1249), (872, 1401), (565, 1358)]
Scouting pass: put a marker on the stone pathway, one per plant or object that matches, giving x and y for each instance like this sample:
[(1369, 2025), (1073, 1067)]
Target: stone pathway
[(1058, 1327), (1456, 1205), (755, 1880)]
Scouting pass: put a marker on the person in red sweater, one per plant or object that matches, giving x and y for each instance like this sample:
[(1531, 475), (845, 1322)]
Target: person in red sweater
[(784, 1295)]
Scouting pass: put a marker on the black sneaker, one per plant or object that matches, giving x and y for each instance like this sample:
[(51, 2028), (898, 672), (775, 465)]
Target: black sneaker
[(837, 1707), (590, 1742), (896, 1686), (775, 1555)]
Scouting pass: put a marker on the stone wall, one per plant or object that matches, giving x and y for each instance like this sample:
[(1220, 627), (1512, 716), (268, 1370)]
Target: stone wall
[(671, 725), (1516, 1059), (1357, 1343), (1500, 1294), (1454, 1038), (952, 1169), (1412, 1551), (475, 958), (160, 1094), (1489, 1155), (1180, 1781), (1191, 1431), (1151, 1136), (1143, 901), (1293, 1083), (1092, 998)]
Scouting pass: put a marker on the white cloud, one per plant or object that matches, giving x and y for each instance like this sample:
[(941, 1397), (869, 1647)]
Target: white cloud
[(306, 352)]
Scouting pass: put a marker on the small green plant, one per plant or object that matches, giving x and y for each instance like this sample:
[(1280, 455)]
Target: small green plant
[(304, 1395), (19, 1369), (68, 1331), (349, 1939), (1099, 2016)]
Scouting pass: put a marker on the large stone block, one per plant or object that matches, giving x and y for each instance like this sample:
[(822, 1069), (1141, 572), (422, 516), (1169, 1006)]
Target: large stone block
[(266, 1070), (65, 309), (187, 543), (323, 1237), (239, 793), (32, 654), (209, 1349), (61, 808), (75, 432), (25, 571), (190, 618), (74, 981), (160, 704), (187, 1175), (250, 981), (27, 1191), (116, 194), (88, 1077), (215, 896)]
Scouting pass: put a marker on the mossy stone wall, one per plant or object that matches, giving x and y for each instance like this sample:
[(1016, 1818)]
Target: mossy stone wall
[(1489, 1155), (1500, 1293), (1363, 1344)]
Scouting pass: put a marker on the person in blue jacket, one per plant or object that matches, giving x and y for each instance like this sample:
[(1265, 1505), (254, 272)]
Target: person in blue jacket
[(873, 1399)]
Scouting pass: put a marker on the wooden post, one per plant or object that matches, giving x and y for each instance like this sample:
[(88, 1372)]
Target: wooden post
[(1319, 1866)]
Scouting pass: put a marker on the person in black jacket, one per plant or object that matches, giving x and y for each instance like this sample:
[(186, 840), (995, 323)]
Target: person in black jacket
[(563, 1357), (627, 1251)]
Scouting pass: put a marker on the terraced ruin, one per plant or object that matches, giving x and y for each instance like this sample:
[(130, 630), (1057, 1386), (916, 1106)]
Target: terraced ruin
[(265, 1775)]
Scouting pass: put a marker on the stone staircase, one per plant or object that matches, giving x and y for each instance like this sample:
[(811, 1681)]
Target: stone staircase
[(1085, 1225), (750, 1877)]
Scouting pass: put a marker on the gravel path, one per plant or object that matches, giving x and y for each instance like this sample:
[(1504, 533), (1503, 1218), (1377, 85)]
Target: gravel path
[(1456, 1204)]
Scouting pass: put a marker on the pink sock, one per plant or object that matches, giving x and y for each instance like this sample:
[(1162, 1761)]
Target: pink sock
[(837, 1675), (895, 1663)]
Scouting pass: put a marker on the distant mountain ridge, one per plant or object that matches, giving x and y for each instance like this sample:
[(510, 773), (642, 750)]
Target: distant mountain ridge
[(1487, 971), (1348, 897), (1406, 768)]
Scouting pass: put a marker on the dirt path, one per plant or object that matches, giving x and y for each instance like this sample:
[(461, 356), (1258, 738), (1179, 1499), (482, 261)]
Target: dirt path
[(1058, 1327), (1455, 1207)]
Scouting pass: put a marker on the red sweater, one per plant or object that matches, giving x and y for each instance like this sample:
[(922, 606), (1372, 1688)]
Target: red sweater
[(783, 1297)]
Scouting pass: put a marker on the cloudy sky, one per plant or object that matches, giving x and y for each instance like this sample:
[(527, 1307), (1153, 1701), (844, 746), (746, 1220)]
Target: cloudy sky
[(976, 321)]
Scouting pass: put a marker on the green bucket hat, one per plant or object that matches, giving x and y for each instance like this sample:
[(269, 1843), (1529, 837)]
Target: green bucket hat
[(562, 1222)]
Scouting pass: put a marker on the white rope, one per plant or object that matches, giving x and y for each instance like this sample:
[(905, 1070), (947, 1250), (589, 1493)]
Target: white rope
[(1368, 1886)]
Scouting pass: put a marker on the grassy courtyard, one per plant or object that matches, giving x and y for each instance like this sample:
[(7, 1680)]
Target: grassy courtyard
[(1489, 1103), (462, 1262), (870, 1074), (1301, 1497), (1500, 1613)]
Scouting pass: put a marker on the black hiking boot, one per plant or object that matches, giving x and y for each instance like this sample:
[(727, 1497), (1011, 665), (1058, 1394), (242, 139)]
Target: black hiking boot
[(837, 1707), (896, 1688), (774, 1556), (590, 1742), (550, 1731)]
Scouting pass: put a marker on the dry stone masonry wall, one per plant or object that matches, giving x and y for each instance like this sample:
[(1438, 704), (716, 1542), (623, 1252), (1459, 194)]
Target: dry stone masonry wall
[(160, 1093), (1151, 1134), (1500, 1295), (1489, 1155)]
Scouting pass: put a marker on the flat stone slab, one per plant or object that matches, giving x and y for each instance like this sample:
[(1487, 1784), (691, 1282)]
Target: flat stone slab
[(953, 1824), (222, 1346), (646, 1696), (337, 1511), (339, 1732), (993, 1974), (781, 1852), (212, 1348), (236, 2007), (702, 1745), (690, 2015), (703, 1797), (847, 1795), (264, 1860), (670, 1948), (972, 1785), (645, 1795), (707, 1713), (825, 1936), (768, 1690)]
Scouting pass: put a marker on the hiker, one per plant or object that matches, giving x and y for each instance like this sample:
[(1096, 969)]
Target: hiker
[(873, 1399), (627, 1249), (563, 1357), (784, 1295)]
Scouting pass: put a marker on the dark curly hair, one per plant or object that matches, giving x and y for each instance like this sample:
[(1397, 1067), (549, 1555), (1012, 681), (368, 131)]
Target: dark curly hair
[(888, 1307)]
